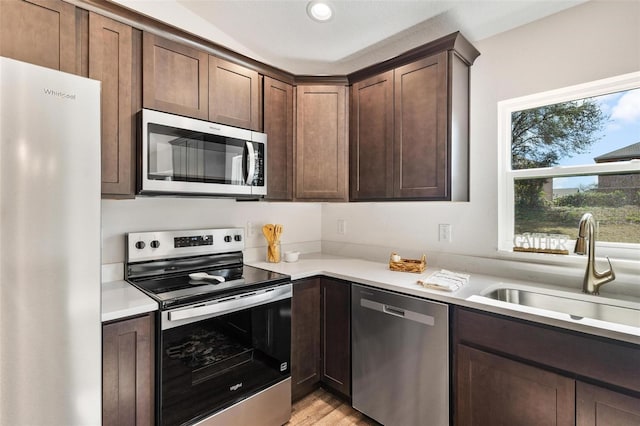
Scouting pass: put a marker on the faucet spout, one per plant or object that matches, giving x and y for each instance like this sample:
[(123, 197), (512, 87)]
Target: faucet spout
[(593, 279)]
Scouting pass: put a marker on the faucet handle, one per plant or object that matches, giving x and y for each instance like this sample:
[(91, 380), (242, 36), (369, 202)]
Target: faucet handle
[(604, 276)]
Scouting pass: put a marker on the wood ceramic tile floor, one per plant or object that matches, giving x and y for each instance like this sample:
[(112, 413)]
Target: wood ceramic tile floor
[(321, 408)]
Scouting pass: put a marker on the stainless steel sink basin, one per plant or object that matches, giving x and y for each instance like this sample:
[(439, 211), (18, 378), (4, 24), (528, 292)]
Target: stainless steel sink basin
[(576, 308)]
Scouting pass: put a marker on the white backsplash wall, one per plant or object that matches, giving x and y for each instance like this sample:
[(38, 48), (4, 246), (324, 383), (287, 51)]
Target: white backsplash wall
[(301, 221), (588, 42), (410, 228)]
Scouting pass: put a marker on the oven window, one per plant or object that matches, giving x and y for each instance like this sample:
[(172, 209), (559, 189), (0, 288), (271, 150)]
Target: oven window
[(183, 155), (211, 364)]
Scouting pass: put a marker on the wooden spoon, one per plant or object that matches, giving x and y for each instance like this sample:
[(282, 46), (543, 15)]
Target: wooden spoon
[(267, 230)]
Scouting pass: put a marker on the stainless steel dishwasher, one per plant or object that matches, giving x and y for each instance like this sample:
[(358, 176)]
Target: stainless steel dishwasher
[(400, 358)]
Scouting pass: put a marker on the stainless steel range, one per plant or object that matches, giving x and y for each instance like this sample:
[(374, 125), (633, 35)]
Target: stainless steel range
[(224, 328)]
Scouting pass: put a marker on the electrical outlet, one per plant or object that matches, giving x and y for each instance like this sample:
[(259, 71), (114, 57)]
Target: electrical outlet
[(342, 226), (444, 232), (251, 230)]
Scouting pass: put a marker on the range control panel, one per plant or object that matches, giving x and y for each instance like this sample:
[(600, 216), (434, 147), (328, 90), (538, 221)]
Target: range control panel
[(143, 246), (198, 240)]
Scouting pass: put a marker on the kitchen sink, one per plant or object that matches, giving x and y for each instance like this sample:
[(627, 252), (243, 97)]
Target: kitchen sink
[(574, 306)]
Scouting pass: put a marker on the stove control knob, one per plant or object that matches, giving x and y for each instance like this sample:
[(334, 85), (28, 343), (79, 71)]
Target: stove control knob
[(238, 238), (155, 244), (227, 239), (140, 245)]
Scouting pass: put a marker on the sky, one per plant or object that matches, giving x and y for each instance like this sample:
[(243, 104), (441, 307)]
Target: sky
[(622, 129)]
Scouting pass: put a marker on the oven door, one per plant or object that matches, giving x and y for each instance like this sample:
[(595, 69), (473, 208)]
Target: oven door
[(216, 354)]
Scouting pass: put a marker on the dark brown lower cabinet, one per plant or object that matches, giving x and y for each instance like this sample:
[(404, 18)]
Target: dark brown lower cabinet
[(320, 336), (515, 372), (597, 406), (305, 337), (336, 336), (128, 372), (493, 390)]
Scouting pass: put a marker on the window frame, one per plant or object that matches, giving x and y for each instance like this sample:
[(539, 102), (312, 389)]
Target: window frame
[(507, 176)]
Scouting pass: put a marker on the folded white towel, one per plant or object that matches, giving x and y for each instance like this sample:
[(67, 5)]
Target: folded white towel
[(445, 280)]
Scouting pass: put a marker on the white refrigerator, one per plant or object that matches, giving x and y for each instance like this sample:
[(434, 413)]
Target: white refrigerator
[(50, 247)]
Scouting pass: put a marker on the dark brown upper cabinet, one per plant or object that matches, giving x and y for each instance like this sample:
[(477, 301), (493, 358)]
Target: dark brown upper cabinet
[(40, 32), (175, 77), (234, 94), (371, 136), (321, 143), (420, 144), (278, 125), (410, 125), (115, 61)]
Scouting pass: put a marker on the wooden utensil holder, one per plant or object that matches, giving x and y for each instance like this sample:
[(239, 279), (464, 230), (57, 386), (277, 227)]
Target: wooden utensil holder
[(408, 265)]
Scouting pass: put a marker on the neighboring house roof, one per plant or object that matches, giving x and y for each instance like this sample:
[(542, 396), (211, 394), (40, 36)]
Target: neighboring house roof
[(627, 153)]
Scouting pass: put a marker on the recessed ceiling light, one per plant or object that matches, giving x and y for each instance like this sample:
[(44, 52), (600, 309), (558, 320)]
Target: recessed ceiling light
[(319, 11)]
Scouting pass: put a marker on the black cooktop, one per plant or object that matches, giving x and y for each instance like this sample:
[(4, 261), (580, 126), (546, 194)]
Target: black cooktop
[(174, 290)]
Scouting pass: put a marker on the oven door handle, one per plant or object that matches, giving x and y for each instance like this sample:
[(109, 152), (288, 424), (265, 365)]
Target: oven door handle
[(237, 303)]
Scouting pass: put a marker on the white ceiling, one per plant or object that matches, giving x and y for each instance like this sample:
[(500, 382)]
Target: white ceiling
[(362, 32)]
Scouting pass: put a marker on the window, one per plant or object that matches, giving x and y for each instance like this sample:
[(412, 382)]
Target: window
[(567, 152)]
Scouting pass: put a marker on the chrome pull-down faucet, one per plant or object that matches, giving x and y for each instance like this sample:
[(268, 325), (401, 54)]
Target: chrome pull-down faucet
[(592, 278)]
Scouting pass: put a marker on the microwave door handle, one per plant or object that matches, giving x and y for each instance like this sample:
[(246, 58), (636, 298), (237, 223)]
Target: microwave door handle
[(250, 163)]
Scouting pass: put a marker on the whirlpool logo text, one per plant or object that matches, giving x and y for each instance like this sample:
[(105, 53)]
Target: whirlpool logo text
[(61, 95)]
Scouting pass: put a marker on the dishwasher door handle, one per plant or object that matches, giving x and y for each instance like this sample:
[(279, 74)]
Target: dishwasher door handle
[(398, 312), (391, 310)]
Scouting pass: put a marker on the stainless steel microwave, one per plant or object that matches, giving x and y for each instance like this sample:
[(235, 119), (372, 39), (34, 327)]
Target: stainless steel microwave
[(185, 156)]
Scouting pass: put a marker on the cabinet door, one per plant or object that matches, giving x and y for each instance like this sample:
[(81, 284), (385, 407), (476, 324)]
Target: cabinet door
[(321, 143), (596, 406), (492, 390), (128, 372), (175, 77), (234, 94), (278, 125), (371, 138), (111, 60), (421, 162), (41, 32), (336, 335), (305, 337)]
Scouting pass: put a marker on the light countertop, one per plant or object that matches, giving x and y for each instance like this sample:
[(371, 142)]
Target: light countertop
[(120, 299), (378, 275)]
